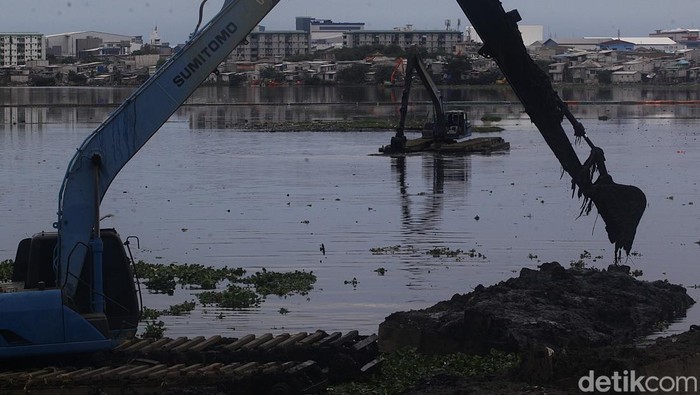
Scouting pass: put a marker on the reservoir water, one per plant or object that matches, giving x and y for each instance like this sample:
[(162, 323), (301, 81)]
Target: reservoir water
[(203, 192)]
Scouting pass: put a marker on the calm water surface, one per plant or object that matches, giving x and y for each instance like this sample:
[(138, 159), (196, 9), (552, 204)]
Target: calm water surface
[(201, 193)]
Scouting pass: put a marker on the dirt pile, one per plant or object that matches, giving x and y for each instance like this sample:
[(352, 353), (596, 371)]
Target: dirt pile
[(552, 307)]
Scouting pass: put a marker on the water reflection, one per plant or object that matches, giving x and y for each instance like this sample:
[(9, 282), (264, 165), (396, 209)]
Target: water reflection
[(421, 212), (223, 107)]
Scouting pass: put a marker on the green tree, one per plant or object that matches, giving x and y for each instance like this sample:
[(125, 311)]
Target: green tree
[(354, 74), (382, 74), (271, 74), (76, 79), (455, 68)]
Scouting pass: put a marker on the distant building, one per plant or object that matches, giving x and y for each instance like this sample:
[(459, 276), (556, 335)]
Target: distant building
[(72, 44), (581, 44), (663, 44), (326, 33), (431, 40), (530, 34), (688, 37), (303, 23), (273, 45), (16, 49), (626, 77)]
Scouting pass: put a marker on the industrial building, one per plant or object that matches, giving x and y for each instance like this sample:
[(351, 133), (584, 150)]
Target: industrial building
[(431, 40), (16, 49), (688, 37), (72, 44)]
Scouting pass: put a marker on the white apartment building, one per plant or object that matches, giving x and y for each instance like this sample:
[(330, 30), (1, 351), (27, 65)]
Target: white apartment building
[(326, 33), (18, 48), (273, 45), (431, 40)]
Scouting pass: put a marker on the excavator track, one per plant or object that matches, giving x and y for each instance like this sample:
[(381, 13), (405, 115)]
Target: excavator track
[(284, 363)]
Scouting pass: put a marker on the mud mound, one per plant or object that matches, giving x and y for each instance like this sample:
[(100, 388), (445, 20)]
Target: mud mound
[(551, 307)]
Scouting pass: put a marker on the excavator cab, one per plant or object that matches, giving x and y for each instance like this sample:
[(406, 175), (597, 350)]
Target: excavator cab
[(34, 282), (457, 126)]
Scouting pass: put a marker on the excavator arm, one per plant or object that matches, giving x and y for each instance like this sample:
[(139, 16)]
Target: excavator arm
[(103, 154), (415, 64), (620, 206)]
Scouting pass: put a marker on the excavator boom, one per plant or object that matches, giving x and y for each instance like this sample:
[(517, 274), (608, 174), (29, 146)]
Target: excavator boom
[(103, 154), (620, 206)]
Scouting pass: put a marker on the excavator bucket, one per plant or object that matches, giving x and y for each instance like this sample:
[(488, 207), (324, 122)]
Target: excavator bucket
[(621, 207)]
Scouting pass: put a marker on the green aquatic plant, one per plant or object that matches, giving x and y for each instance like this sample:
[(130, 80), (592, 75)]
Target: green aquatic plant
[(6, 267), (385, 250), (281, 284), (352, 282), (445, 251), (162, 278), (180, 308), (233, 297), (154, 330), (490, 118), (403, 369)]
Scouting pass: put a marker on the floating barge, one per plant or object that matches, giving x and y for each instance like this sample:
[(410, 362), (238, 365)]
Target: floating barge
[(478, 145)]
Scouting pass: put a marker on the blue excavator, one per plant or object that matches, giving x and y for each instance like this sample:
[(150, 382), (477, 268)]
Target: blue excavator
[(72, 289)]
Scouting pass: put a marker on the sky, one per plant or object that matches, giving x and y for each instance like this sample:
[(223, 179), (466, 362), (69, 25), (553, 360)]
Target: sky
[(177, 18)]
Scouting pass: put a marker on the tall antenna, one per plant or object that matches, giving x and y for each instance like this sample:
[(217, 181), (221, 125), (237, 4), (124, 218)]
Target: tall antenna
[(448, 23), (459, 24)]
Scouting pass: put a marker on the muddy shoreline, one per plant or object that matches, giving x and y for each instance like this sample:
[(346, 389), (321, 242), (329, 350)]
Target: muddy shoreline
[(562, 323)]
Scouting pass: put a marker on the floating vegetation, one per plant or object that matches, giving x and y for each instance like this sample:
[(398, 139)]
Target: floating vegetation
[(405, 368), (283, 311), (380, 271), (352, 282), (585, 255), (6, 270), (444, 251), (154, 330), (531, 256), (396, 249), (490, 118), (148, 314), (486, 129), (281, 284), (180, 308), (233, 297), (162, 278), (385, 250), (474, 254), (578, 265)]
